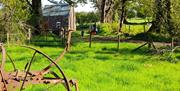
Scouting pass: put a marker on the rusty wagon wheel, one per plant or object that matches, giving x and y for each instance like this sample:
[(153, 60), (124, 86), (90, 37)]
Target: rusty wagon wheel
[(6, 78), (66, 82)]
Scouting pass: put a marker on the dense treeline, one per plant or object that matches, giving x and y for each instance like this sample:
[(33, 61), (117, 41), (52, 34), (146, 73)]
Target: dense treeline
[(164, 13)]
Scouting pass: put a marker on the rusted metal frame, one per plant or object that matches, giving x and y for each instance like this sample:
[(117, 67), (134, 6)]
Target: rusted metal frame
[(3, 57), (2, 65), (54, 74), (76, 86), (46, 81), (43, 79), (26, 66), (72, 82), (28, 71), (37, 80), (2, 78), (45, 70), (11, 61), (66, 81), (75, 83), (49, 80), (32, 80), (51, 86)]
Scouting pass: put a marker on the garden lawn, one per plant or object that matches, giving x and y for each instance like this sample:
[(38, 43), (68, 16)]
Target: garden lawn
[(102, 68)]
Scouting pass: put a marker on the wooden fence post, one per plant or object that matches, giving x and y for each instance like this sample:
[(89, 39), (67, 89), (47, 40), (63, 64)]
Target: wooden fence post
[(144, 28), (178, 40), (8, 38), (29, 35), (90, 39), (172, 43), (1, 38)]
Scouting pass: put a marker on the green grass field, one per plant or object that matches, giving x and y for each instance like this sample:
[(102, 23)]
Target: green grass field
[(102, 68)]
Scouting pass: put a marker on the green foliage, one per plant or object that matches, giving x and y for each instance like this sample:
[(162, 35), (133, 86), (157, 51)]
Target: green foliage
[(108, 28), (139, 8), (116, 16), (105, 28), (112, 28), (87, 17), (172, 55), (84, 26), (175, 16), (115, 27), (13, 17)]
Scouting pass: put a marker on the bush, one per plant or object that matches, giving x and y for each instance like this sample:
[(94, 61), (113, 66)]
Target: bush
[(115, 27), (83, 26), (107, 28)]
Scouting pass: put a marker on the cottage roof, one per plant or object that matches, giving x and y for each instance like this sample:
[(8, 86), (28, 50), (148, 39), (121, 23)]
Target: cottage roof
[(61, 9)]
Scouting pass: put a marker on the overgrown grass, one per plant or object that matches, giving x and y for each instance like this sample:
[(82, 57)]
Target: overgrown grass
[(109, 29), (135, 29), (102, 68)]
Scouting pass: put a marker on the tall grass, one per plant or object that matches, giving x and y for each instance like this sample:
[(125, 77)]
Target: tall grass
[(102, 68)]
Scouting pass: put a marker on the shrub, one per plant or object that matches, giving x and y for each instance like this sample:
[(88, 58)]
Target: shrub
[(115, 27), (83, 26), (107, 28)]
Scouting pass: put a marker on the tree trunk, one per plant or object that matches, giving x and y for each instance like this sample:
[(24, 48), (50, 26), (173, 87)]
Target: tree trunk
[(157, 22), (36, 6), (168, 19), (107, 11), (159, 15), (123, 5), (103, 7), (37, 15)]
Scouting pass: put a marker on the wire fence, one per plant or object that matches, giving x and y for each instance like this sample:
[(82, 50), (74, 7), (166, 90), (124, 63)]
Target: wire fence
[(14, 38), (46, 39)]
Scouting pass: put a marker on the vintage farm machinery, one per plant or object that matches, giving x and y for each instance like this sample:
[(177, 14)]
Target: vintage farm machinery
[(10, 81)]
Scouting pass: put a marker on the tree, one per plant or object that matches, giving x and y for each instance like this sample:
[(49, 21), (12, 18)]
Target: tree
[(86, 17), (36, 11), (13, 17), (105, 7), (170, 28), (175, 12), (121, 20)]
